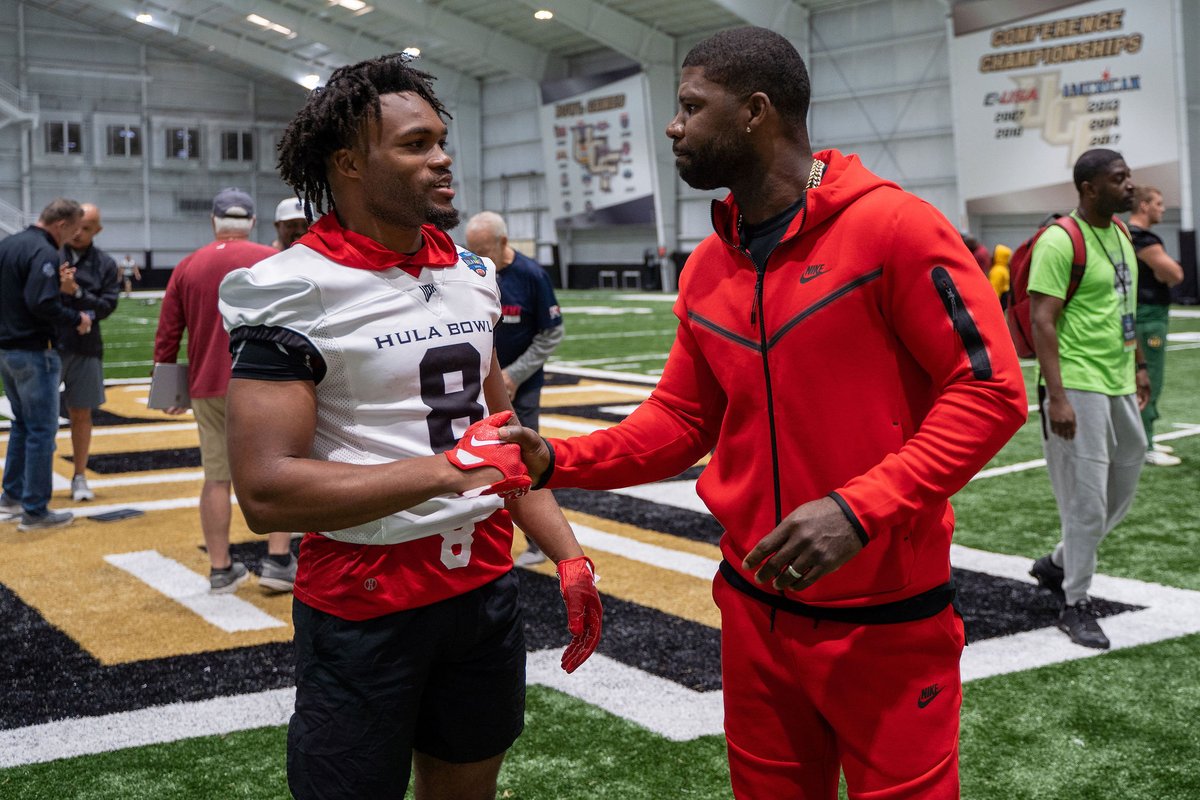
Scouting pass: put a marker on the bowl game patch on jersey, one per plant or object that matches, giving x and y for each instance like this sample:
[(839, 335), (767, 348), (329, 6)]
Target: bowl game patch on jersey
[(474, 262)]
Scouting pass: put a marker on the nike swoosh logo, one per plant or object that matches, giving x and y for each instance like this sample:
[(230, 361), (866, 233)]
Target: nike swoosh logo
[(923, 700), (807, 278), (469, 458), (476, 442)]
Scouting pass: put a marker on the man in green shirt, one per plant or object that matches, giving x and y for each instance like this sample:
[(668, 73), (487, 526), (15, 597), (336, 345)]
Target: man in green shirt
[(1093, 384)]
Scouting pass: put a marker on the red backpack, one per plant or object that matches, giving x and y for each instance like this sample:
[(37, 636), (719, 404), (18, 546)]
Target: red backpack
[(1020, 327)]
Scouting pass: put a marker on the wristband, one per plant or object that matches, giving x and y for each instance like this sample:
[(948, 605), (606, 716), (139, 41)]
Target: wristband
[(545, 476), (1143, 365)]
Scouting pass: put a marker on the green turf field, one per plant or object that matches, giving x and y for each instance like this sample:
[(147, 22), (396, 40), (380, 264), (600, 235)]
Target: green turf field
[(1120, 726)]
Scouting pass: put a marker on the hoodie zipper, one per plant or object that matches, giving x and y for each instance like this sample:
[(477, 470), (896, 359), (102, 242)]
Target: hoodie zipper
[(758, 318), (964, 326)]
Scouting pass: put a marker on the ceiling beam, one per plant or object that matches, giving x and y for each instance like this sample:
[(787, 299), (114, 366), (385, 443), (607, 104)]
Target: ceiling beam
[(357, 45), (504, 52), (271, 61), (783, 16), (612, 29)]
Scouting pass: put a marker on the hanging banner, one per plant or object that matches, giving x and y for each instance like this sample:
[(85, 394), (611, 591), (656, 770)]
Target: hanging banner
[(597, 146), (1036, 83)]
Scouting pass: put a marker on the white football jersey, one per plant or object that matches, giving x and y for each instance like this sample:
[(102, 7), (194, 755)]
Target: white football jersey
[(405, 359)]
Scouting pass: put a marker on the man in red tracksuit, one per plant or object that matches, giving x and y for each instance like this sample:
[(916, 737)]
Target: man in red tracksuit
[(847, 364)]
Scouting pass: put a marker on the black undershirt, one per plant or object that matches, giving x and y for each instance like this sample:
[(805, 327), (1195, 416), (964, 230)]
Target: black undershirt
[(274, 354), (761, 239)]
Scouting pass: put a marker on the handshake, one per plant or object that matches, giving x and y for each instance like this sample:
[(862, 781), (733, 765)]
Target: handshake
[(488, 444), (482, 446)]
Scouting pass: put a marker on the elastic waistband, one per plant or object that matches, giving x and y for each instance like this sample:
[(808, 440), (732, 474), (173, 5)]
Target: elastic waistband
[(910, 609)]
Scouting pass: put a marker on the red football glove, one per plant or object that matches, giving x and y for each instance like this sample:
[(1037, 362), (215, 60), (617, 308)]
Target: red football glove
[(481, 446), (577, 580)]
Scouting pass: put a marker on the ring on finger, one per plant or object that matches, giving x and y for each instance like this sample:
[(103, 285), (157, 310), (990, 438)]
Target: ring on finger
[(797, 575)]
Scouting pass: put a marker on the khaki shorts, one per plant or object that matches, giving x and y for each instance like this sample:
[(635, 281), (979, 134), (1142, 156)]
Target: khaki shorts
[(214, 453)]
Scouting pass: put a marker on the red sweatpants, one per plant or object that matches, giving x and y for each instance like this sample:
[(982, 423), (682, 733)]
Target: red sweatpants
[(879, 701)]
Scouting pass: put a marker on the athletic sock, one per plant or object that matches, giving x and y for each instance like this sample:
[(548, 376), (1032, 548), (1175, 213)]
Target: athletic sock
[(282, 560)]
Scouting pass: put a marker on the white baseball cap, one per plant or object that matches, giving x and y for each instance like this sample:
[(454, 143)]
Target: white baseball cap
[(291, 208)]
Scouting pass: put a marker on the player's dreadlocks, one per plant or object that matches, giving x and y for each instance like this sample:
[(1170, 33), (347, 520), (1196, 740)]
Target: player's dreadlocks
[(334, 118)]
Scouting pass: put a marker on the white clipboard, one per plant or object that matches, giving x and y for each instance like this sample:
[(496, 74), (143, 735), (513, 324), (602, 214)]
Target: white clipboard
[(169, 387)]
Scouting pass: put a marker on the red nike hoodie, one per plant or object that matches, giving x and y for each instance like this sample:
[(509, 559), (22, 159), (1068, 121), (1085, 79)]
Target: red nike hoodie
[(869, 362)]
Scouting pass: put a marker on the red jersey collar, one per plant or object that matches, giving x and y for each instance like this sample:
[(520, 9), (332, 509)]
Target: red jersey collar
[(350, 249)]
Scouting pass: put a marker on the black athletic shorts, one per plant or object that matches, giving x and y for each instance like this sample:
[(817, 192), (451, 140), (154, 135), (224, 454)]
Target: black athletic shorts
[(447, 680)]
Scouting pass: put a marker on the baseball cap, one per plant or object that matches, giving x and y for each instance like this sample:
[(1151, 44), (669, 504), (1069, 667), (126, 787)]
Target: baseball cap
[(232, 203), (291, 208)]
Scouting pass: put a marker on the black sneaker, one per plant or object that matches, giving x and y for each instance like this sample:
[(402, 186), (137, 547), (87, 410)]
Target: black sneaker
[(1049, 576), (1079, 622)]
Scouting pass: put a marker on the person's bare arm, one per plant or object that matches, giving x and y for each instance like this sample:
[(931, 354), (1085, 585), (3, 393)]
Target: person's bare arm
[(1044, 312), (270, 426), (1165, 268)]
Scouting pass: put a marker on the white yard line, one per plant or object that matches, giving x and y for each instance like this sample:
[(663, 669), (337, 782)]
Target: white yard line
[(172, 579), (586, 372), (85, 735)]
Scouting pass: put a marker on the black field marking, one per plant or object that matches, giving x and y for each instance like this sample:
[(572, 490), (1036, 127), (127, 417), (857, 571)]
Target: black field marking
[(993, 606), (677, 649), (45, 675), (587, 411), (559, 379), (642, 513), (102, 418), (143, 460)]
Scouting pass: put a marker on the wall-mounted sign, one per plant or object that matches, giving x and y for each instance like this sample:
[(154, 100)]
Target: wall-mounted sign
[(598, 167), (1036, 83)]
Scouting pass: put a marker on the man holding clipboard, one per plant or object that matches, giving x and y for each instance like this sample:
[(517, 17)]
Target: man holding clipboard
[(190, 304)]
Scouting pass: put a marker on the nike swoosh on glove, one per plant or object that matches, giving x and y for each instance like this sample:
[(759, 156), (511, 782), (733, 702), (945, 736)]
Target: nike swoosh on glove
[(577, 580), (481, 446)]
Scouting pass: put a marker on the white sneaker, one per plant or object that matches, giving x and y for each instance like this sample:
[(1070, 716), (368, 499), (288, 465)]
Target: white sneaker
[(1157, 459), (1163, 448), (80, 490)]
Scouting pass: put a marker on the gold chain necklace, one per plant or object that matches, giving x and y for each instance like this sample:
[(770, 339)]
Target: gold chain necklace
[(815, 174)]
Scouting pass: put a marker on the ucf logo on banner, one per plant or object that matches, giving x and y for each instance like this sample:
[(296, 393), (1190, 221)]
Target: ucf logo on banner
[(1036, 83), (598, 168)]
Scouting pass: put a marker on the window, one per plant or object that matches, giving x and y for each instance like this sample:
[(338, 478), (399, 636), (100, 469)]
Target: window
[(183, 143), (124, 141), (64, 138), (237, 146)]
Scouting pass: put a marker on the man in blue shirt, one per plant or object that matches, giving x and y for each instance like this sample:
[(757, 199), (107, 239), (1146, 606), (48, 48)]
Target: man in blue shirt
[(531, 325)]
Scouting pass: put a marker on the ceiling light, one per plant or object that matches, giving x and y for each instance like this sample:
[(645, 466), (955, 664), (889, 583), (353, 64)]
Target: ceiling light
[(415, 52), (263, 22), (543, 14), (310, 82), (357, 6), (144, 18)]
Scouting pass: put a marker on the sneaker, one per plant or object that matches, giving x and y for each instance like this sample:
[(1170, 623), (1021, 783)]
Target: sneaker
[(530, 558), (10, 510), (1163, 448), (224, 581), (276, 578), (80, 490), (1079, 622), (1049, 576), (51, 519), (1158, 459)]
